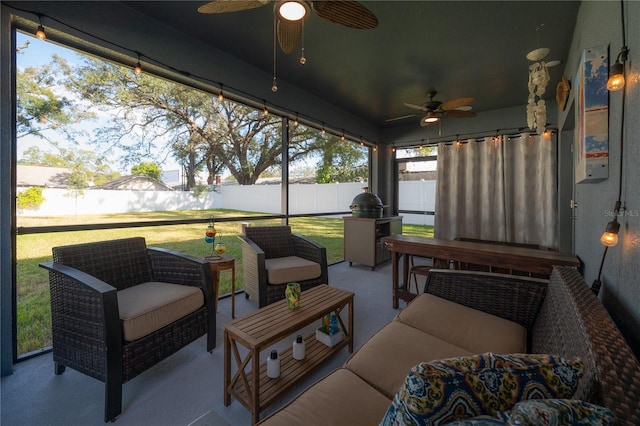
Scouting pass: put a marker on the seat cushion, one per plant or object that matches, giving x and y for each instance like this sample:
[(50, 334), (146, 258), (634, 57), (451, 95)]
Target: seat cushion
[(282, 270), (468, 328), (386, 358), (148, 307), (324, 403)]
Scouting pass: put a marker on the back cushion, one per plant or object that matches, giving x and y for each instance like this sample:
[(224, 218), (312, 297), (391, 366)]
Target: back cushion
[(121, 263), (275, 241)]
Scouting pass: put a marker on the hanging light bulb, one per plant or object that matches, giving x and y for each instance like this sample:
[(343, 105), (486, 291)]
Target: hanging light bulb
[(324, 132), (220, 94), (274, 86), (138, 68), (265, 110), (40, 34), (616, 77), (610, 236), (296, 122)]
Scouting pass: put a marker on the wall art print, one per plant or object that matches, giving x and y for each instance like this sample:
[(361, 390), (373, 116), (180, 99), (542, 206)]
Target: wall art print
[(592, 116)]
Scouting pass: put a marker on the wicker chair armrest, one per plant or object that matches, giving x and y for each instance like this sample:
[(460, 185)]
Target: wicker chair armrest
[(83, 305), (511, 297), (309, 250)]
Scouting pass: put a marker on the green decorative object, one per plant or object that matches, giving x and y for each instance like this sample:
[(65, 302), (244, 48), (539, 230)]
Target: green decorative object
[(292, 294)]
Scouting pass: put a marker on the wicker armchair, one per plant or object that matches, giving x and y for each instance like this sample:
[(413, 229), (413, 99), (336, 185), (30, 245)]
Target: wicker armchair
[(90, 284), (272, 257)]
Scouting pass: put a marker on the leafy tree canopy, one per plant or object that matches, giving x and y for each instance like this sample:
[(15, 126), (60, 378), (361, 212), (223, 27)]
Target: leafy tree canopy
[(147, 168)]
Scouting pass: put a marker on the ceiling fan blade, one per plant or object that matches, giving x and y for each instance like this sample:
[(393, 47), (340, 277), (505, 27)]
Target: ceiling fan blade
[(414, 106), (289, 33), (399, 118), (456, 103), (464, 108), (456, 113), (224, 6), (349, 13)]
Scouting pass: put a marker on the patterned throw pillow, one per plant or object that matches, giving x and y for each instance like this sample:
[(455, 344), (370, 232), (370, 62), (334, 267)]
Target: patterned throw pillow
[(556, 412), (464, 387)]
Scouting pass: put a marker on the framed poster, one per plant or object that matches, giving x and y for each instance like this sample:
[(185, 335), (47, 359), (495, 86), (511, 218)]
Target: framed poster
[(592, 116)]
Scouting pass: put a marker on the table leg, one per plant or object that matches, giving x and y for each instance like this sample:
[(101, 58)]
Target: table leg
[(255, 393), (227, 368), (351, 326), (394, 279), (233, 290), (217, 287)]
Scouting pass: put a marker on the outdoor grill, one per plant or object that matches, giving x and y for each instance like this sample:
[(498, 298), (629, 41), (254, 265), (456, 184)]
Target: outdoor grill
[(366, 205)]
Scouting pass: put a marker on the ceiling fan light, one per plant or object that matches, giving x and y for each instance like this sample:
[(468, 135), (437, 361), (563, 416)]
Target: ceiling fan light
[(430, 118), (292, 10)]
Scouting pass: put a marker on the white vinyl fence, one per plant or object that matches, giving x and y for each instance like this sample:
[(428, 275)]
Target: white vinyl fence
[(303, 198)]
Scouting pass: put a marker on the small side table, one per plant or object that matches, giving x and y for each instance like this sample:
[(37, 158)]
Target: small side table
[(220, 264)]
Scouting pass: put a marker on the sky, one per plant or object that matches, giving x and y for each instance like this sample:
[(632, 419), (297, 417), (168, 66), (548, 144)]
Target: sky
[(38, 53)]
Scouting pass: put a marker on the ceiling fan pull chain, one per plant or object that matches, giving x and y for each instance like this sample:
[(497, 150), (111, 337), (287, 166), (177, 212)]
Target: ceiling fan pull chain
[(274, 85), (303, 59)]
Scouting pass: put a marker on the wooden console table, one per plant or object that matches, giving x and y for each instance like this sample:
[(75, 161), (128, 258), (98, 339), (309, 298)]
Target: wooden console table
[(442, 251), (259, 330)]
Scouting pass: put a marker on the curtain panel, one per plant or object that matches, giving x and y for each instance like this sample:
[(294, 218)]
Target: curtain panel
[(500, 188)]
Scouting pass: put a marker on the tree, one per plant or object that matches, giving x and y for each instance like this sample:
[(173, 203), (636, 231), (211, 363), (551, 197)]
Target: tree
[(147, 168), (191, 125), (86, 167), (40, 107)]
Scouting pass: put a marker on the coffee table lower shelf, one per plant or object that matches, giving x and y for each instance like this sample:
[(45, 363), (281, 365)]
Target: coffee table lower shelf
[(291, 370)]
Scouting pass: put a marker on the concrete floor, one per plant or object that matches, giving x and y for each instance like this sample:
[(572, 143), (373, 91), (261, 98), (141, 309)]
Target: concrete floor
[(186, 388)]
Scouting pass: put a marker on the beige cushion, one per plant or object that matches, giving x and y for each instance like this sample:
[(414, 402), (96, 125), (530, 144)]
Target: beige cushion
[(341, 398), (386, 358), (148, 307), (474, 330), (282, 270)]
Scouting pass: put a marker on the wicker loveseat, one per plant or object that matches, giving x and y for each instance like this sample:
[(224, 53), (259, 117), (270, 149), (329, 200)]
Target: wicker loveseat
[(561, 317), (272, 257), (119, 307)]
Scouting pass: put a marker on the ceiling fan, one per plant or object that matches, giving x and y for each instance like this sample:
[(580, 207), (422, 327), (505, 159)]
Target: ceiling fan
[(291, 14), (435, 110)]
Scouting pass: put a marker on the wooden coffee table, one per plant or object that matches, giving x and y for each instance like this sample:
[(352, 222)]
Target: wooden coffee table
[(259, 330)]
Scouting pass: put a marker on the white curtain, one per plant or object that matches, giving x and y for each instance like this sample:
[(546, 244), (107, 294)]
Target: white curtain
[(498, 188)]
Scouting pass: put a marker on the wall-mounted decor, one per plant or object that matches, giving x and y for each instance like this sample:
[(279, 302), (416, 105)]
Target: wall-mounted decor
[(592, 116)]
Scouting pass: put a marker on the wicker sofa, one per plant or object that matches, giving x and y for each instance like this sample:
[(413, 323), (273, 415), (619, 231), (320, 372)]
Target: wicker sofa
[(473, 312)]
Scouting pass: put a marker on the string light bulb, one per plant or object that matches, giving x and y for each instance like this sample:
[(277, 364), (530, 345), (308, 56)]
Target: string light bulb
[(616, 77), (40, 34), (220, 94), (265, 110), (138, 68), (610, 236), (324, 132), (296, 122)]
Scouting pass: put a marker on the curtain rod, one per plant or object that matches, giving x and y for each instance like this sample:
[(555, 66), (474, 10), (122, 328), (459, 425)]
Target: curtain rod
[(514, 131)]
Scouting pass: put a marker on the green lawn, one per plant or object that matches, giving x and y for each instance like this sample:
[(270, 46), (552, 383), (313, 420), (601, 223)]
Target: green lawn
[(33, 310)]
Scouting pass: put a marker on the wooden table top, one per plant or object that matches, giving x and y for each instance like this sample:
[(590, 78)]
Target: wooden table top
[(475, 252), (273, 322)]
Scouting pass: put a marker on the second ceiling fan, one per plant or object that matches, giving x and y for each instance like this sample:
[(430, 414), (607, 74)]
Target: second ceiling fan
[(435, 110), (291, 14)]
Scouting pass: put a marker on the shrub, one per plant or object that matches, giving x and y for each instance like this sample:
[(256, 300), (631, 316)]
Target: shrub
[(30, 199)]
